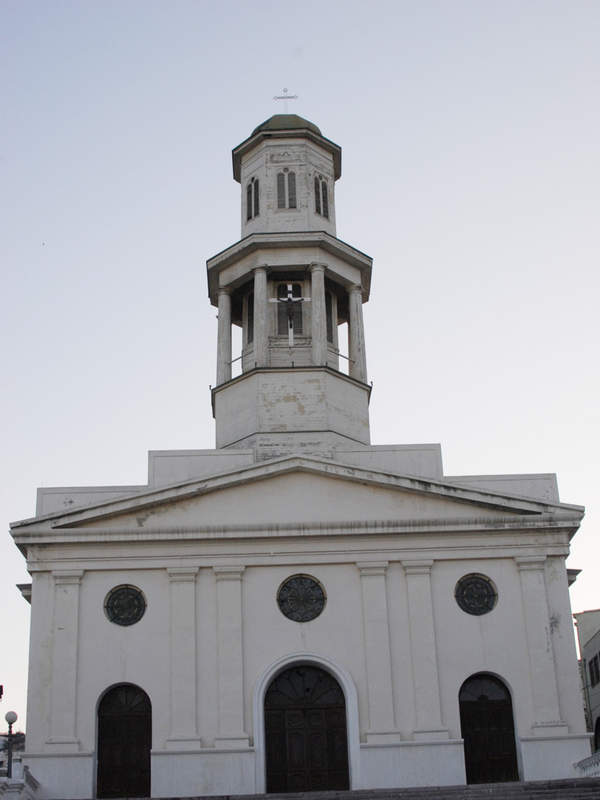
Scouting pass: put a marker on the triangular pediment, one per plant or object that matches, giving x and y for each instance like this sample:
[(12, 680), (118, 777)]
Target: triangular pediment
[(302, 493)]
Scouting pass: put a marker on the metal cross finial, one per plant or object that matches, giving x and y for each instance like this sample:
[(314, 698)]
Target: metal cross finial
[(285, 97)]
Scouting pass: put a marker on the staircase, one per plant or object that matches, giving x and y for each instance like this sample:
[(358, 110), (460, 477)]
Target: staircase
[(570, 789)]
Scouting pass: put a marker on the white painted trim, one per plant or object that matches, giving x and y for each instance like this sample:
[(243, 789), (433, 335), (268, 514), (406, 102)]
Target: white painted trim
[(350, 696)]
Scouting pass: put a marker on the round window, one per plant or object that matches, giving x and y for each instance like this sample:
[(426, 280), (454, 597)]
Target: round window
[(125, 605), (476, 594), (301, 598)]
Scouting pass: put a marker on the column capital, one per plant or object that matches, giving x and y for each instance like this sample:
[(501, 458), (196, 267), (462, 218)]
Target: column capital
[(316, 267), (232, 573), (182, 574), (417, 567), (355, 287), (224, 290), (67, 577), (530, 563), (368, 568), (261, 268)]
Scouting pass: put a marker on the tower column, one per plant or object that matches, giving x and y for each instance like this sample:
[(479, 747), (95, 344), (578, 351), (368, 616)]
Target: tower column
[(356, 336), (319, 315), (261, 337), (224, 338)]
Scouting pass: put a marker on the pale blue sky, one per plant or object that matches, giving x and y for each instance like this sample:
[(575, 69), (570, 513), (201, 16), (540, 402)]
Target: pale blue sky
[(471, 174)]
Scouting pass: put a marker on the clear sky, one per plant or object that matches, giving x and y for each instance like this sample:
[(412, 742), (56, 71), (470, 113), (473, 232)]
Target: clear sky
[(471, 169)]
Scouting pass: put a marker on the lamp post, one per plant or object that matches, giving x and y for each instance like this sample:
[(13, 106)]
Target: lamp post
[(11, 718)]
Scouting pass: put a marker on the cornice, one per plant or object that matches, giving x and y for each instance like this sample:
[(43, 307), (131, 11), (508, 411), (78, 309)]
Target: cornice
[(544, 513)]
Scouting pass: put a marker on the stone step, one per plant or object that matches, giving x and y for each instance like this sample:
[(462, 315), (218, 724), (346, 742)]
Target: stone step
[(569, 789)]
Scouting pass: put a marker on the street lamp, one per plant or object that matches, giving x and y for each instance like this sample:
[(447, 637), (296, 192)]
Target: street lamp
[(11, 718)]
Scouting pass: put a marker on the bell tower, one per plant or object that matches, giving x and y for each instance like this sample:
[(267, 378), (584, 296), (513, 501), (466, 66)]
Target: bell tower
[(289, 283)]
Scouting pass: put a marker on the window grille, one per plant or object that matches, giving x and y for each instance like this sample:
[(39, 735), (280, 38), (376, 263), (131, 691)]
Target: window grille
[(292, 190), (286, 189), (321, 197), (280, 190), (252, 207), (325, 199)]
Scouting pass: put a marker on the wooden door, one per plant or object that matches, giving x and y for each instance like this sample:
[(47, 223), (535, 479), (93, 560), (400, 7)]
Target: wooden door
[(305, 732), (487, 727), (124, 742)]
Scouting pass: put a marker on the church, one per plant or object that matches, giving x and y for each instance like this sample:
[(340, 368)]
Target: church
[(298, 609)]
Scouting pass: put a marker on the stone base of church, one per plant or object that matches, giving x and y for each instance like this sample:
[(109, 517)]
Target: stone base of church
[(438, 763), (547, 758), (62, 775), (211, 771)]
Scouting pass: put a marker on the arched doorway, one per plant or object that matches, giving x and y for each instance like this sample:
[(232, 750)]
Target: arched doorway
[(597, 735), (305, 732), (487, 727), (124, 742)]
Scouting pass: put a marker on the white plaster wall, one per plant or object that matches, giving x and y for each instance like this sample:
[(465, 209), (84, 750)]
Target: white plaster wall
[(304, 158), (542, 486), (467, 644), (336, 633), (417, 459), (313, 400), (171, 466), (110, 654)]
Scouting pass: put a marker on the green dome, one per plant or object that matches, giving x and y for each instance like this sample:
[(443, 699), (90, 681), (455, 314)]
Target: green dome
[(286, 122)]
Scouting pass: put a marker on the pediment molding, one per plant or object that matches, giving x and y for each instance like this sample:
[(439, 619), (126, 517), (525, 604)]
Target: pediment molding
[(518, 512)]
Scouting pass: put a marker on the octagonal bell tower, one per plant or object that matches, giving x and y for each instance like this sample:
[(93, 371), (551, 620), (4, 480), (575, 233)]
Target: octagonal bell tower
[(289, 283)]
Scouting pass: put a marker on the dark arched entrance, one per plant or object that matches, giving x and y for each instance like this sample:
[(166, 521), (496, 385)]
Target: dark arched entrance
[(305, 732), (597, 735), (487, 727), (124, 742)]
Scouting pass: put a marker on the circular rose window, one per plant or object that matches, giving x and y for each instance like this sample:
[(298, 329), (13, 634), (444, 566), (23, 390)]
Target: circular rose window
[(476, 594), (125, 605), (301, 598)]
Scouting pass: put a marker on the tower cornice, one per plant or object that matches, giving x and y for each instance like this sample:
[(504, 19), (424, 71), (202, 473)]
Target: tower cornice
[(256, 243), (261, 135)]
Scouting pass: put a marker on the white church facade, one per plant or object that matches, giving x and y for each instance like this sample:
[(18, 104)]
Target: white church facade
[(298, 609)]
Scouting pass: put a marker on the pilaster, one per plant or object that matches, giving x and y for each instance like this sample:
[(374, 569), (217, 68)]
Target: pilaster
[(230, 664), (382, 727), (184, 726), (63, 717), (423, 651), (544, 693)]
